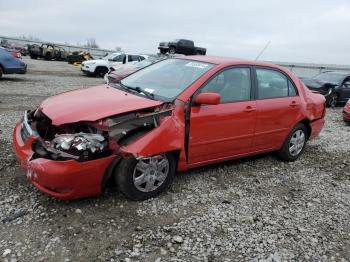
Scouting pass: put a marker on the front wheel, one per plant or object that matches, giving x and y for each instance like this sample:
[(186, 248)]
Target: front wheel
[(1, 72), (141, 179), (294, 145), (101, 71), (333, 100)]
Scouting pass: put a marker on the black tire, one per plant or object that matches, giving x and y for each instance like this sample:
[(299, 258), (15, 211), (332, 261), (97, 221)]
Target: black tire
[(332, 100), (1, 72), (162, 51), (33, 57), (172, 50), (101, 71), (284, 153), (198, 53), (123, 176), (48, 56)]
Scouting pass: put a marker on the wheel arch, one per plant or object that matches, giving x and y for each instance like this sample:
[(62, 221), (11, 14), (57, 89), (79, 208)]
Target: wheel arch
[(307, 123), (100, 67)]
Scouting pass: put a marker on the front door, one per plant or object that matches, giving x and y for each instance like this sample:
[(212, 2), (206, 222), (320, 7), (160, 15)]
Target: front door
[(224, 130)]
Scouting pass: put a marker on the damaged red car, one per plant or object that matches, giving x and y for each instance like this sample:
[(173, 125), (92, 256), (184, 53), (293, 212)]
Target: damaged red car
[(176, 114)]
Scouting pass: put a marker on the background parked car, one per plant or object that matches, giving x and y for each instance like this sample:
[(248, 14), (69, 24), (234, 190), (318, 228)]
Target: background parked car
[(9, 64), (100, 67), (335, 86), (181, 46), (117, 73), (346, 112), (47, 51), (14, 52)]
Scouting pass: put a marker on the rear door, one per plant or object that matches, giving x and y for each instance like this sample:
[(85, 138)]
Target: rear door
[(224, 130), (278, 108)]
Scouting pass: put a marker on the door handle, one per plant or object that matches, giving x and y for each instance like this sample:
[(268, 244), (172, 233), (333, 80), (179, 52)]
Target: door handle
[(249, 109), (293, 104)]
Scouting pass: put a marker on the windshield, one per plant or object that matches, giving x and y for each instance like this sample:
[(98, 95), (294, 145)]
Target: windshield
[(330, 77), (143, 63), (110, 56), (168, 78)]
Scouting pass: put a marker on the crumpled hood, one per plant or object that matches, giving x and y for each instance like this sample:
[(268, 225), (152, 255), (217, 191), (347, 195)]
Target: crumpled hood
[(92, 104)]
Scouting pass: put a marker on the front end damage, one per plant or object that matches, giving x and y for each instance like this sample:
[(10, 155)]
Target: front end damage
[(74, 160)]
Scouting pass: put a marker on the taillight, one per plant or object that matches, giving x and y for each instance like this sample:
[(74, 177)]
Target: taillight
[(16, 54)]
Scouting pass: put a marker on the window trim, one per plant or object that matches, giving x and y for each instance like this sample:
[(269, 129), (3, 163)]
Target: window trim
[(256, 93), (252, 84)]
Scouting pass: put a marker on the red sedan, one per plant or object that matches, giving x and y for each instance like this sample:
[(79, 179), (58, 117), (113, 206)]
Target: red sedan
[(174, 115), (346, 112)]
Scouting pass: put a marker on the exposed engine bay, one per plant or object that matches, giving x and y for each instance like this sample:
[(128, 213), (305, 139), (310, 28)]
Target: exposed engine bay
[(88, 140)]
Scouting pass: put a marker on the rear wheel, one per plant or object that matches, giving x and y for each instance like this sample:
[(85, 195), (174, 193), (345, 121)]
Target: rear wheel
[(48, 56), (33, 57), (1, 72), (140, 179), (101, 71), (172, 50), (198, 53), (295, 143)]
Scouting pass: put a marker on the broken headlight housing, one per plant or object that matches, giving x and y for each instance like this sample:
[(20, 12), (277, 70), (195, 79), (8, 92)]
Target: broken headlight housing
[(81, 143)]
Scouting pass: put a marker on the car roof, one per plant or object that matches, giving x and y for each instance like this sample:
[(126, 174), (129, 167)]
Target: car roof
[(335, 72), (218, 60)]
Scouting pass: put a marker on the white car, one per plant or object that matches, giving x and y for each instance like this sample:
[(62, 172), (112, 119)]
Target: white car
[(100, 67)]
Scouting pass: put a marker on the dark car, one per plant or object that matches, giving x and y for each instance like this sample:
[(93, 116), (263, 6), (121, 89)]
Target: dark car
[(9, 64), (181, 46), (335, 86)]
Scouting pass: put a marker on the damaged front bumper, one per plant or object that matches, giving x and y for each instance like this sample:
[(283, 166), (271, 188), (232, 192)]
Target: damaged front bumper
[(68, 179)]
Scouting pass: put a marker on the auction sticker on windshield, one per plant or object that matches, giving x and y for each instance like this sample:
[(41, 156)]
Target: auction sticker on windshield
[(197, 65)]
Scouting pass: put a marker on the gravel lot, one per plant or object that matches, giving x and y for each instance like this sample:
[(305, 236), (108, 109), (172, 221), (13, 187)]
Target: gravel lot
[(255, 209)]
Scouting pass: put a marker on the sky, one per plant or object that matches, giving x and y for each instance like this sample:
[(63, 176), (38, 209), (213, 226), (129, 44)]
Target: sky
[(299, 31)]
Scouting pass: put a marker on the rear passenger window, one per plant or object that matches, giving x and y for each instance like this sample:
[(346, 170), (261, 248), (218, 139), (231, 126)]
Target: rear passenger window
[(271, 84)]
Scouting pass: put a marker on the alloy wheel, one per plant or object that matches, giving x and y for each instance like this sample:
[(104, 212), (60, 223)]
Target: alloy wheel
[(297, 142), (150, 173)]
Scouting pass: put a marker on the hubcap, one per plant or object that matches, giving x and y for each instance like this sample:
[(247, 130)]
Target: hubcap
[(150, 173), (296, 143)]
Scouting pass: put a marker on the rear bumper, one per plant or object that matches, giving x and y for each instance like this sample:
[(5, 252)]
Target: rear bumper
[(316, 127), (61, 179)]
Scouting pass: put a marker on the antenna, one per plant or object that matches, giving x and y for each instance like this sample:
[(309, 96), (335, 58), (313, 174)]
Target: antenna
[(263, 50)]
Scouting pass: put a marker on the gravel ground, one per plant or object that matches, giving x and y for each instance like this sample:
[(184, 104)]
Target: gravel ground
[(255, 209)]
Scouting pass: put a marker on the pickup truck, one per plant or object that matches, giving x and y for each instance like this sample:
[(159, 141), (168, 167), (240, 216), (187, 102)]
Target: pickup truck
[(181, 46)]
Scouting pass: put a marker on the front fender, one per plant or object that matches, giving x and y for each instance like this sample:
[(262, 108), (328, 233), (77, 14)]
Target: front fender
[(168, 136)]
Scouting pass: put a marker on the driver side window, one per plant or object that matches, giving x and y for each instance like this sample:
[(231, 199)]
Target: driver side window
[(119, 58), (233, 85)]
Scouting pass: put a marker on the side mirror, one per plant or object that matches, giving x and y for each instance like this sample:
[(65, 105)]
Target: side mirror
[(207, 99)]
